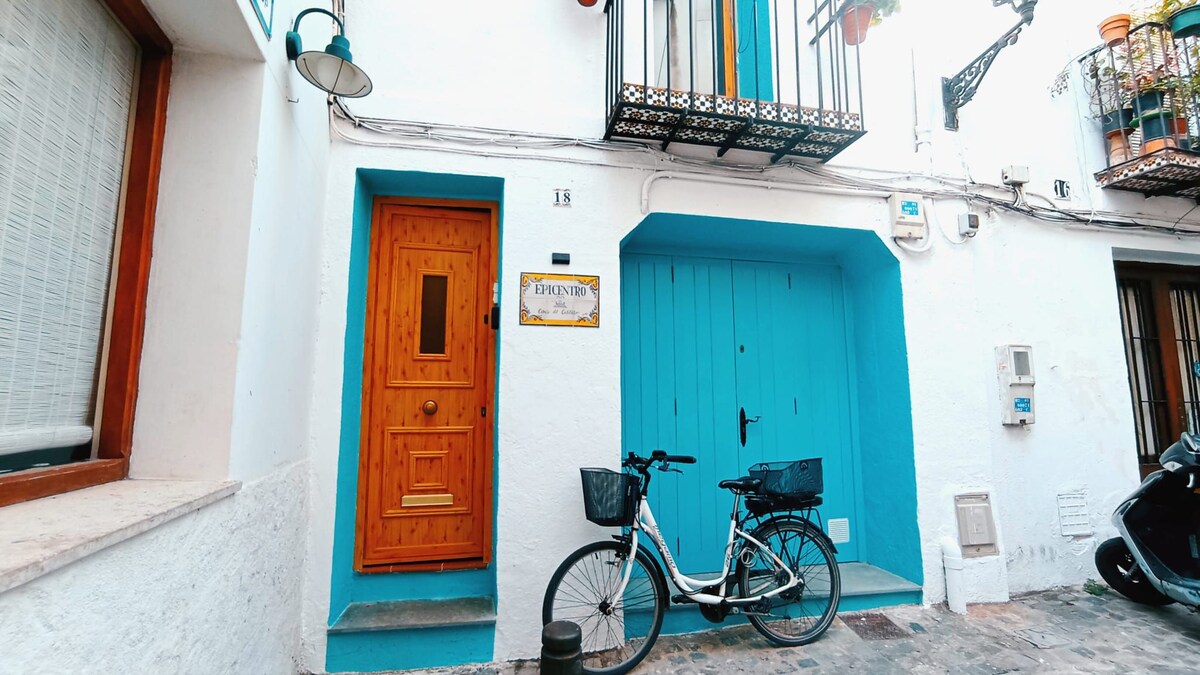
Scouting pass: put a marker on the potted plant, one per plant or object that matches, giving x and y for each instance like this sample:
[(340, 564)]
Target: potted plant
[(859, 15), (1118, 125), (1185, 19), (1115, 29), (1158, 130)]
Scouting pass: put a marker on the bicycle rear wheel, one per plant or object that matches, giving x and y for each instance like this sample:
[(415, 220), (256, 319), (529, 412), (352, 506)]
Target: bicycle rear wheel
[(803, 613), (617, 632)]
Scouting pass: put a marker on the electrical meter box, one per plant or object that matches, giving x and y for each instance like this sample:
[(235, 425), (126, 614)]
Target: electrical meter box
[(908, 215), (1014, 365)]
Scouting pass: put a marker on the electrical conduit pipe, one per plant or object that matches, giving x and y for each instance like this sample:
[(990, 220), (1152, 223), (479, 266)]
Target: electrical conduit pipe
[(752, 182)]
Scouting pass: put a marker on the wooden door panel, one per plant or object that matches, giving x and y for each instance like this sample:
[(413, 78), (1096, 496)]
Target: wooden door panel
[(450, 361), (425, 464), (426, 472)]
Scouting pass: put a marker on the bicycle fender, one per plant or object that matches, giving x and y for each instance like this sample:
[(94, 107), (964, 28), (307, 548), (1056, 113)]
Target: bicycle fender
[(796, 519)]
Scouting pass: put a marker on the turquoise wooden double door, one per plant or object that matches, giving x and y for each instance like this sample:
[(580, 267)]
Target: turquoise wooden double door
[(703, 340)]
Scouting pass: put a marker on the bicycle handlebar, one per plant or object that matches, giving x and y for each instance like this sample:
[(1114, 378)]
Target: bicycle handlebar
[(642, 463)]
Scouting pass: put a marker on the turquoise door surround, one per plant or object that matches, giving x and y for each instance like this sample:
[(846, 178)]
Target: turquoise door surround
[(823, 363), (392, 650)]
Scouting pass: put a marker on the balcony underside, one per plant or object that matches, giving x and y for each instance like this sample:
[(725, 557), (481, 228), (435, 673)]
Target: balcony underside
[(1167, 173), (781, 130)]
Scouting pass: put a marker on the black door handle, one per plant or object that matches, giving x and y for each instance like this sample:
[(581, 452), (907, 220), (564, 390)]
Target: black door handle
[(743, 421)]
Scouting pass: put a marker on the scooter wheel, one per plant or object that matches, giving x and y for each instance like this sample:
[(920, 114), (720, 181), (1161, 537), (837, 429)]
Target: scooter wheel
[(1119, 569)]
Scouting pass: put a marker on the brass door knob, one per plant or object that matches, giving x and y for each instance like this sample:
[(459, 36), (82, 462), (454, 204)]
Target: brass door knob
[(429, 407)]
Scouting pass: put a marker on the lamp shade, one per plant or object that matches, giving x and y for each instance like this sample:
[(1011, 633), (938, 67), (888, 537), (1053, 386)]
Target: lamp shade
[(333, 71)]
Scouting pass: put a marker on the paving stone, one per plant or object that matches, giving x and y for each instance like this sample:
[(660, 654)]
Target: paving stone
[(1089, 634)]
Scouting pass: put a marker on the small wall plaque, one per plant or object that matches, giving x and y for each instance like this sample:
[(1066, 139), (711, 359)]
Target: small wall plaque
[(560, 300), (265, 9)]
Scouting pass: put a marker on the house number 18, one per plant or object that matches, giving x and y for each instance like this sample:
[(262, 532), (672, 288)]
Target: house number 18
[(562, 197)]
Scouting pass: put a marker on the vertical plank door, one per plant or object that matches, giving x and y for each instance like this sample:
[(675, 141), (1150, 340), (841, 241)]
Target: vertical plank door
[(425, 463)]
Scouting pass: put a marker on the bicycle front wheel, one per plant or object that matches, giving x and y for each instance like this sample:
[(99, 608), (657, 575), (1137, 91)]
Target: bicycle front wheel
[(804, 612), (618, 632)]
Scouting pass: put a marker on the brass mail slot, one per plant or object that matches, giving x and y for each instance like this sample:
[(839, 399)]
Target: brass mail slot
[(427, 500)]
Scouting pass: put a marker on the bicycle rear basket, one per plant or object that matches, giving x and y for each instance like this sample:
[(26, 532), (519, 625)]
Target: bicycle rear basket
[(798, 480), (610, 497)]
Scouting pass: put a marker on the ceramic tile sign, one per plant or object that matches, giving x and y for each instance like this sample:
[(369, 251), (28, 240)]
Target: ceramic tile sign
[(560, 300), (265, 9)]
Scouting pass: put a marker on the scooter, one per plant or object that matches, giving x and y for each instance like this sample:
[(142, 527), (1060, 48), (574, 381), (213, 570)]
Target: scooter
[(1156, 560)]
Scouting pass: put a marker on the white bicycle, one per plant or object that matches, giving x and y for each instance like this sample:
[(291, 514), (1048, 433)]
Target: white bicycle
[(782, 574)]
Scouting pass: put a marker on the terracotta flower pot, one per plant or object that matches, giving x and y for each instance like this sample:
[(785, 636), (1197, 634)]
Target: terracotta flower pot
[(855, 22), (1119, 149), (592, 3), (1114, 29), (1156, 144)]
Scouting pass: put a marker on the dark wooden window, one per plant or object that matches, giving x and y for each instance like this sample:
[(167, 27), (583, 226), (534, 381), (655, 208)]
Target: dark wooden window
[(132, 270), (1160, 318)]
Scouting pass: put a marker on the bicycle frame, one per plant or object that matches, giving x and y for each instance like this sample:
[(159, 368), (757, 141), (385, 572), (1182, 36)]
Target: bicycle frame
[(692, 587)]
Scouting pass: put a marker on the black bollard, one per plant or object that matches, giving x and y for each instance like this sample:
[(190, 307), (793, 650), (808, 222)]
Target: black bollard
[(561, 649)]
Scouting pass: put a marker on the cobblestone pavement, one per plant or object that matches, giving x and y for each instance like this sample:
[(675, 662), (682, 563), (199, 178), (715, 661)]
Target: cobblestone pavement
[(1062, 631)]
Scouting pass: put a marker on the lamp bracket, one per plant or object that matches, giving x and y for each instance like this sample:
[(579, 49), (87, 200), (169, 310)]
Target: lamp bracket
[(957, 91), (292, 39)]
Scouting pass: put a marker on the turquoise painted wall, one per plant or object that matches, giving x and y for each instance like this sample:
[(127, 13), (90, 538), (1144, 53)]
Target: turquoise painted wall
[(886, 525), (346, 586), (889, 528)]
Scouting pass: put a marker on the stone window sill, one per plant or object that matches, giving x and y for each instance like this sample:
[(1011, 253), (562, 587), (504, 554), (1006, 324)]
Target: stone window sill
[(43, 535)]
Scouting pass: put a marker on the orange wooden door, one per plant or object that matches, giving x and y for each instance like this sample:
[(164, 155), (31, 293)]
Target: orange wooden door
[(425, 465)]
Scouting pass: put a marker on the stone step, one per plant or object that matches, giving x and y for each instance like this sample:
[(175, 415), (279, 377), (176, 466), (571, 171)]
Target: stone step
[(864, 579), (362, 617)]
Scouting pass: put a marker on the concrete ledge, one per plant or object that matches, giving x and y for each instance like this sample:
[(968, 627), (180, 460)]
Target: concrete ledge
[(408, 614), (42, 535)]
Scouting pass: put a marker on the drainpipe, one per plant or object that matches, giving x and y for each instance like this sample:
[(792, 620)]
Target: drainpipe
[(953, 561)]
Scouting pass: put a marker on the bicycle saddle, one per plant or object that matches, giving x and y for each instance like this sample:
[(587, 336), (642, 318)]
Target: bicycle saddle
[(743, 485)]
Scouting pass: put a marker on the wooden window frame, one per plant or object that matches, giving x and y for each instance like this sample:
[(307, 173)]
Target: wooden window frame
[(127, 323), (1160, 276)]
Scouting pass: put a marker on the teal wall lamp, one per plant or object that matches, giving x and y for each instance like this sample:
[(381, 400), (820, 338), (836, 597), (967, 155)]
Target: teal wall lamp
[(332, 70)]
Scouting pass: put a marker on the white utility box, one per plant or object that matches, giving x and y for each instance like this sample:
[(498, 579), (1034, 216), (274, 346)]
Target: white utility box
[(908, 215), (1015, 175), (1014, 365), (976, 526)]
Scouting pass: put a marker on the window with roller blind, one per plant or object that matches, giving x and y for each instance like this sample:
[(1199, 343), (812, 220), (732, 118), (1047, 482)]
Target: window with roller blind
[(82, 109)]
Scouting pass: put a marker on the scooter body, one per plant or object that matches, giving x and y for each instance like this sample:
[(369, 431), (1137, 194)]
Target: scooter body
[(1160, 525)]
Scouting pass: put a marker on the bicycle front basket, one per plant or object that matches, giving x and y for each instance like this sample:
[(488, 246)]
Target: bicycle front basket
[(799, 479), (610, 497)]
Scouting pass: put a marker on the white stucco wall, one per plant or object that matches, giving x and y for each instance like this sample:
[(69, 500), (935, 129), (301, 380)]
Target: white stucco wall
[(211, 592), (1019, 281), (225, 379)]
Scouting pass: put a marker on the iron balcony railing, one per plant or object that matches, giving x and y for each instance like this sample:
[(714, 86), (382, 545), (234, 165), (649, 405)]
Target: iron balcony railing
[(1145, 90), (769, 76)]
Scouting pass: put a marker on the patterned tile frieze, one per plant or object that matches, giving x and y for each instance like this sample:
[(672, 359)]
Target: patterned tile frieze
[(700, 136), (649, 115), (660, 114)]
